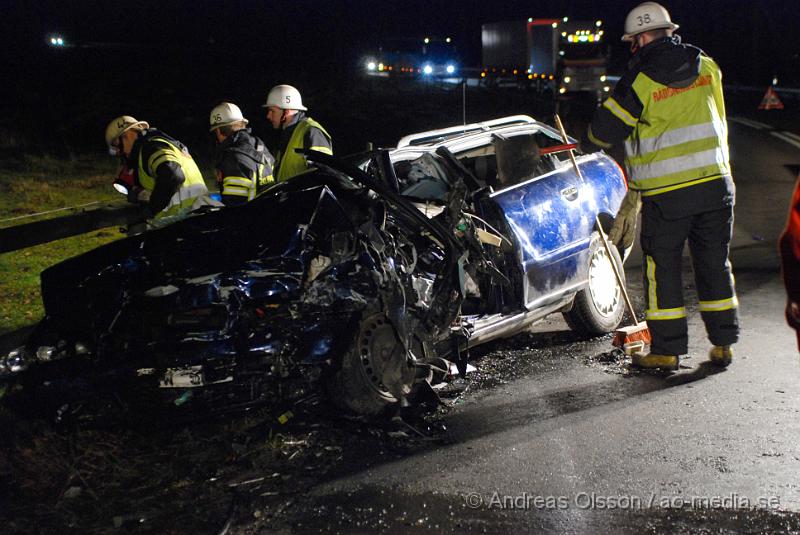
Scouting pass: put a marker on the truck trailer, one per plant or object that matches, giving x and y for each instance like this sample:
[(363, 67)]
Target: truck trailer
[(557, 55)]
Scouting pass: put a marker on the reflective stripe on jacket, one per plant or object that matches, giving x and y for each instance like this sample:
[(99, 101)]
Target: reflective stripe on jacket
[(290, 163), (193, 186), (244, 168)]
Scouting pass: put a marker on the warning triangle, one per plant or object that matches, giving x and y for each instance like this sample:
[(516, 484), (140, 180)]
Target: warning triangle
[(770, 101)]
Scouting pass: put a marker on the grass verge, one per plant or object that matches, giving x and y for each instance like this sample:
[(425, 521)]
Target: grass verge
[(29, 186), (34, 184)]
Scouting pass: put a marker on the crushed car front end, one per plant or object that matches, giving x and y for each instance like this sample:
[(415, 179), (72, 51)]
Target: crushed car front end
[(322, 279)]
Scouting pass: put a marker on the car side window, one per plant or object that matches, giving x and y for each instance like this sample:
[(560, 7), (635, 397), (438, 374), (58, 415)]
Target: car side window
[(423, 178), (511, 160)]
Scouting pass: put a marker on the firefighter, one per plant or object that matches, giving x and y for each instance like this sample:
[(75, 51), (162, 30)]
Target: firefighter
[(789, 248), (159, 167), (285, 112), (243, 164), (668, 109)]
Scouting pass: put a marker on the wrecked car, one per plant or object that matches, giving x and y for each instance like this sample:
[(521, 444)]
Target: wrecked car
[(359, 275)]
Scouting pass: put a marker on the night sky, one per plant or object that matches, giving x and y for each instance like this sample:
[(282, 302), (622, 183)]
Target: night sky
[(752, 40)]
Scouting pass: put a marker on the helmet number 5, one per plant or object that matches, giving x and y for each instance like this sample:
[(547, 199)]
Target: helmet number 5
[(643, 19)]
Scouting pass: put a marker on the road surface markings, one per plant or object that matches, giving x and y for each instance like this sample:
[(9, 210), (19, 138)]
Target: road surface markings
[(791, 139), (792, 135), (749, 122)]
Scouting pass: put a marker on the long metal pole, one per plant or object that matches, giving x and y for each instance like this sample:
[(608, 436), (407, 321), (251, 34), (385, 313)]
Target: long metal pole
[(607, 248), (464, 101)]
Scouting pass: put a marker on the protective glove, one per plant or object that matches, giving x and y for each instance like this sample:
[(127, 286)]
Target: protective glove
[(623, 231), (138, 195)]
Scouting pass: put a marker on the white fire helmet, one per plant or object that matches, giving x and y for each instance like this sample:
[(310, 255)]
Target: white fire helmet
[(119, 126), (284, 97), (645, 17), (225, 114)]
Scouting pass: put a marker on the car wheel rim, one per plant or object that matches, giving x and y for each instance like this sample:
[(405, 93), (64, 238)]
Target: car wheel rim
[(382, 357), (603, 284)]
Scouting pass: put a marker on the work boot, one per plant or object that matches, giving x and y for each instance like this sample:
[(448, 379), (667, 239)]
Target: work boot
[(655, 361), (721, 355)]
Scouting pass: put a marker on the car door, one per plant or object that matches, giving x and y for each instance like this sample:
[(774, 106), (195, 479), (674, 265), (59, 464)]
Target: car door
[(551, 224)]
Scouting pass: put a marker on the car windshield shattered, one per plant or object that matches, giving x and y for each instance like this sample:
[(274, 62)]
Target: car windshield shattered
[(363, 278)]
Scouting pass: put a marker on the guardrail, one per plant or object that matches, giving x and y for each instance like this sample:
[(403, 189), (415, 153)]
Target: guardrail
[(755, 89), (786, 94), (86, 220), (783, 92), (794, 92)]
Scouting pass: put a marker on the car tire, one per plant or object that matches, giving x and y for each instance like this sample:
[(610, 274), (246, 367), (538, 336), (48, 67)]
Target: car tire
[(375, 357), (599, 307)]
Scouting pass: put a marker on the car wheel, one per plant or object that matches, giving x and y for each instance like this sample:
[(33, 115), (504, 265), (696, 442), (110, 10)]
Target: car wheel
[(599, 307), (374, 372)]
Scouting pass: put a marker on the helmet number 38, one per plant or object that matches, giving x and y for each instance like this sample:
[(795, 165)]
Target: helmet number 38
[(643, 19)]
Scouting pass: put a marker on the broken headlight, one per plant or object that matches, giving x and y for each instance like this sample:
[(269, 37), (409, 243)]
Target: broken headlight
[(14, 362), (19, 359)]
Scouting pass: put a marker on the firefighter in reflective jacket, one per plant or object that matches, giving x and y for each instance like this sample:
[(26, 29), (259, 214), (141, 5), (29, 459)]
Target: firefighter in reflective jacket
[(285, 112), (244, 165), (789, 248), (668, 109), (161, 166)]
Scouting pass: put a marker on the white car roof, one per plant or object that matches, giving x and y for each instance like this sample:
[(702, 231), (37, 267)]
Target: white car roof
[(441, 136), (465, 137)]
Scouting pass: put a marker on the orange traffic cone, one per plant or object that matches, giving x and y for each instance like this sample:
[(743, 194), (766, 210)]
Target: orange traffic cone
[(770, 101)]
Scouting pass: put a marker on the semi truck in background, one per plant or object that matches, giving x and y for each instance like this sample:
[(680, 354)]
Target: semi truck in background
[(558, 55), (428, 57)]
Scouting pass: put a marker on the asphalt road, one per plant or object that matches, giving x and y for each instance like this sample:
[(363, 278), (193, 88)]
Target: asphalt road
[(572, 444)]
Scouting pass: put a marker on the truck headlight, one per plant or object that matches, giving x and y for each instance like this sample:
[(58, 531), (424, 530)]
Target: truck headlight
[(450, 69), (427, 69), (567, 79), (603, 78), (371, 66)]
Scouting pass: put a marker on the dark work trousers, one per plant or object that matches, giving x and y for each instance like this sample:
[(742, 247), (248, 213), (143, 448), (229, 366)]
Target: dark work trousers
[(709, 235)]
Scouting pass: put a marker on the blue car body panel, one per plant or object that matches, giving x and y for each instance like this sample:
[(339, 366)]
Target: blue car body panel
[(552, 217)]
